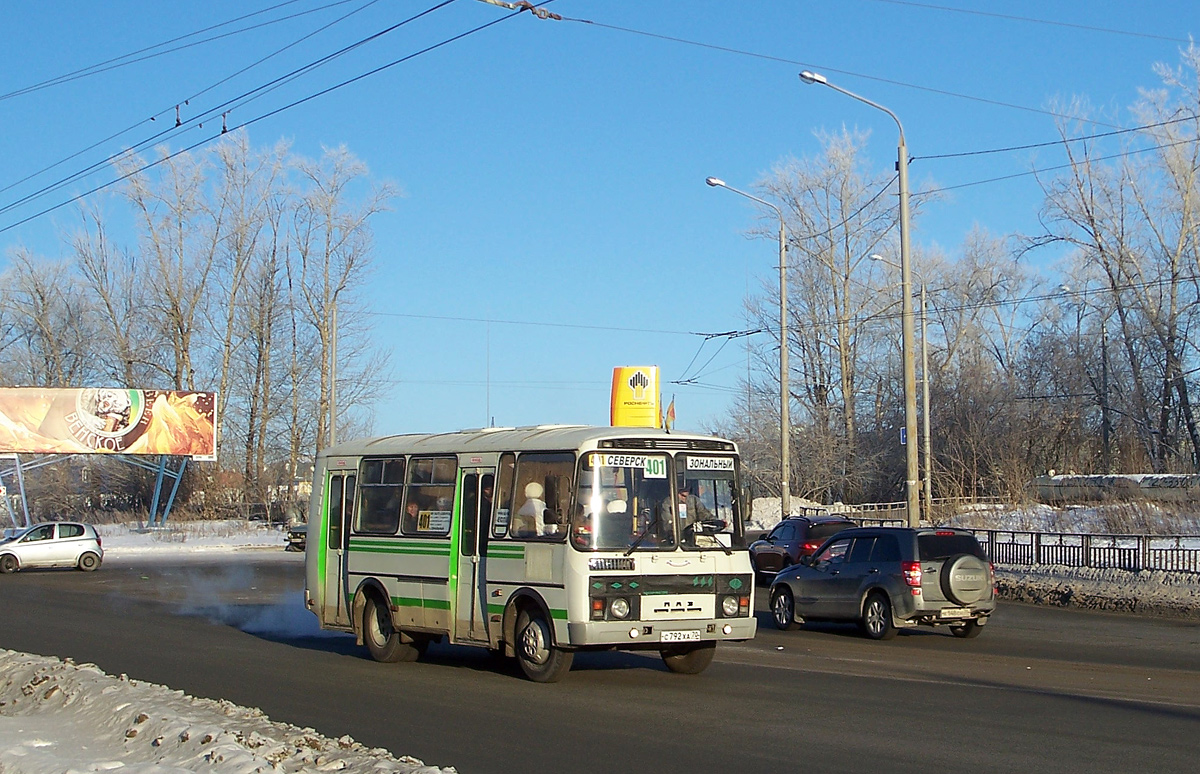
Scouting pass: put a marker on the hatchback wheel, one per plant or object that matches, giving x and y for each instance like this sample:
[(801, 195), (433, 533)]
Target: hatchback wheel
[(783, 608), (89, 562), (8, 563), (877, 617)]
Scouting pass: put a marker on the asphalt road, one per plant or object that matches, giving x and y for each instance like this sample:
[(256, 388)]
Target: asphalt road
[(1040, 690)]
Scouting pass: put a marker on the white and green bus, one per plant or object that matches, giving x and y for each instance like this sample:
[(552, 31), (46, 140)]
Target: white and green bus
[(534, 542)]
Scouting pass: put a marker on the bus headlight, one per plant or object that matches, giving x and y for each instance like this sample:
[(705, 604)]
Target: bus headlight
[(619, 608), (729, 606)]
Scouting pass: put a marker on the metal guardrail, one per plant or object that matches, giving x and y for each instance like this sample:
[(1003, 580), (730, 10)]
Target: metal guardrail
[(1168, 553), (1175, 553)]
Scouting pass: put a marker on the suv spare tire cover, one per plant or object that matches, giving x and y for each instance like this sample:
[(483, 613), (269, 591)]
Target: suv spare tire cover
[(964, 579)]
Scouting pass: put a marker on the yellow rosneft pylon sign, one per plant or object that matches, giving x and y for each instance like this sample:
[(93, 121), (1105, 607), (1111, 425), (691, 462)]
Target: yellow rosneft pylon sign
[(635, 397)]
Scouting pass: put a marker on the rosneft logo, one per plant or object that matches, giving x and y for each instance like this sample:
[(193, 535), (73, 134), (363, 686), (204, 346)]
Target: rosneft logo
[(638, 384)]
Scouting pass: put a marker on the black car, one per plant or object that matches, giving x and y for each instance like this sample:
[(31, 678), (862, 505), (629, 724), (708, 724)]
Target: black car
[(792, 538), (297, 537), (886, 578)]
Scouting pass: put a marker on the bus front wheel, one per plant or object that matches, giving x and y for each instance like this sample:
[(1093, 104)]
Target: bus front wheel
[(382, 637), (540, 660), (689, 659)]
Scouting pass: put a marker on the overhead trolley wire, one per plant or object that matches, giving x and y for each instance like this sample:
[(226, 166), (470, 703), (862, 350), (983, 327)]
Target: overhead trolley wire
[(1061, 141), (166, 111), (1031, 20), (824, 68), (126, 59), (270, 85)]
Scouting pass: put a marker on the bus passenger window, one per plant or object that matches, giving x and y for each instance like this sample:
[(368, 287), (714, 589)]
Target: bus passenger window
[(543, 486), (431, 489), (380, 493), (504, 495)]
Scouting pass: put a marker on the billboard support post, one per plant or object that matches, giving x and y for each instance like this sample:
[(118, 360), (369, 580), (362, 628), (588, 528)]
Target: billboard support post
[(21, 484), (162, 468), (174, 488)]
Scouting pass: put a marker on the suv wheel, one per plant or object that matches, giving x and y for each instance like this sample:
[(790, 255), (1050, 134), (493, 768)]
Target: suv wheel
[(967, 630), (783, 608), (877, 617)]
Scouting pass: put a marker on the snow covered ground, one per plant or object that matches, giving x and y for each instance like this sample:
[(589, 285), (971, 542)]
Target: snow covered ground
[(57, 716)]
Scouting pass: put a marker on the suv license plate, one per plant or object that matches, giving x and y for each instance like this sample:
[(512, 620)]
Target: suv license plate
[(689, 635), (955, 612)]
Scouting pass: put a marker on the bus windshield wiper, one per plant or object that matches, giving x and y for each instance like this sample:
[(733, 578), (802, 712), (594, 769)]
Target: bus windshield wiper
[(642, 536)]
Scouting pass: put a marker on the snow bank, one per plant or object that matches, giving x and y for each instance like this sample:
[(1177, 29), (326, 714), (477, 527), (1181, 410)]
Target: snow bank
[(125, 540), (1175, 594), (58, 716)]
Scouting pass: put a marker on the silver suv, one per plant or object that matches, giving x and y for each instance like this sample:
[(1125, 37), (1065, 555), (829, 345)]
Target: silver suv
[(887, 578)]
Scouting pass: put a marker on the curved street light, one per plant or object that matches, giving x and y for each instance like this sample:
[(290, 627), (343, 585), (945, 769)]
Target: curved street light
[(906, 308), (785, 502)]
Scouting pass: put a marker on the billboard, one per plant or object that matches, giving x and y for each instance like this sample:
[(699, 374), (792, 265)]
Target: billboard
[(635, 397), (108, 421)]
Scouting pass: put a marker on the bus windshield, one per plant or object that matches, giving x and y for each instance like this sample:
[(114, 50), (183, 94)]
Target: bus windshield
[(624, 499)]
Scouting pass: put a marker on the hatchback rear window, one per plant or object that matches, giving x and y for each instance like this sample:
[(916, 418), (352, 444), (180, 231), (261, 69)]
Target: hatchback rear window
[(944, 546), (823, 531)]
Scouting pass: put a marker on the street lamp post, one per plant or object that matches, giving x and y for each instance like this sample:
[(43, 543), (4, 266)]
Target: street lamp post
[(906, 307), (785, 497), (926, 447)]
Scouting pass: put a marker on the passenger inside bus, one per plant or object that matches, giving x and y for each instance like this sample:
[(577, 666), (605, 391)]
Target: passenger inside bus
[(531, 519)]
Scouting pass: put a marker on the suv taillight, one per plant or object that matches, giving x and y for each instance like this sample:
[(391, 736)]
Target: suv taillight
[(809, 547), (912, 573)]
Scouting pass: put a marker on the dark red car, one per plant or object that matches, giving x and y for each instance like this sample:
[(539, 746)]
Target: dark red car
[(792, 538)]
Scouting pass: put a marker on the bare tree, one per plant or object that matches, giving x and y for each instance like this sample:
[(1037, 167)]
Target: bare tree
[(51, 319), (333, 247), (180, 239), (113, 278)]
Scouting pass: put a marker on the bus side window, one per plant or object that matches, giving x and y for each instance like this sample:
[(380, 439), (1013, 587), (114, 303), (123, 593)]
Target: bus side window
[(348, 505), (430, 497), (379, 503), (335, 511), (543, 486), (504, 491)]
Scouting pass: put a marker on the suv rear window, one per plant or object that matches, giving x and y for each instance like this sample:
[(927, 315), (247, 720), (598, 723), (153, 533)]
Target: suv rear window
[(934, 547), (823, 531)]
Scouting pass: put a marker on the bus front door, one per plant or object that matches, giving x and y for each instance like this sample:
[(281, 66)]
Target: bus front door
[(340, 489), (475, 507)]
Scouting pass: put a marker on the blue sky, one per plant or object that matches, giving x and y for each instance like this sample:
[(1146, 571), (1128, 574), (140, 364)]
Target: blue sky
[(553, 171)]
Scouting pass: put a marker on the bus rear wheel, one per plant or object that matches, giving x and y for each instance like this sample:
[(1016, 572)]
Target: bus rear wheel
[(540, 660), (689, 659), (382, 637)]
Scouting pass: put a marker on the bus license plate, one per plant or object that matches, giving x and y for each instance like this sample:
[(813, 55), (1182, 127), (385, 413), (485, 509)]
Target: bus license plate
[(688, 635), (955, 612)]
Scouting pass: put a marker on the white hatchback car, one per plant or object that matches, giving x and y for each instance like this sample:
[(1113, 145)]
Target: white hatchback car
[(59, 544)]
